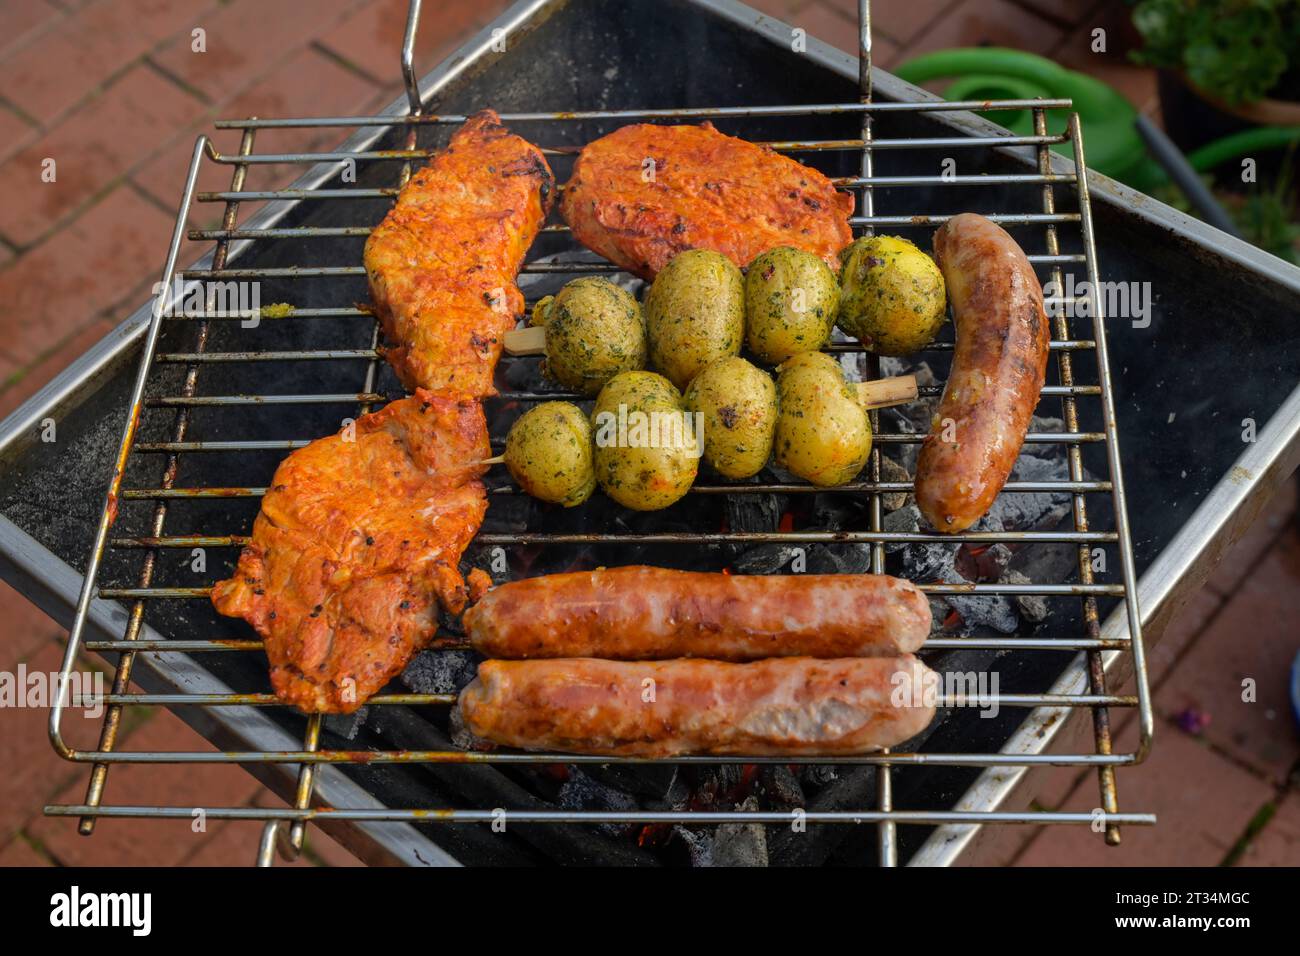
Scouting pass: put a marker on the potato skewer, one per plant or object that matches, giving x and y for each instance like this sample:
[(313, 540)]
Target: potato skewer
[(563, 468)]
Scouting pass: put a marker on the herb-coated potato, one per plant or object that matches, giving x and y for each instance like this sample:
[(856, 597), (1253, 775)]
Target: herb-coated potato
[(647, 453), (822, 434), (790, 301), (695, 313), (892, 296), (594, 330), (549, 453), (738, 402)]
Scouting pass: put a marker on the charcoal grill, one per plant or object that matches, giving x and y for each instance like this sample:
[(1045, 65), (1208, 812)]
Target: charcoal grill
[(204, 426)]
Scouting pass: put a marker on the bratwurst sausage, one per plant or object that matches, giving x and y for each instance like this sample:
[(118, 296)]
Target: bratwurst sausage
[(997, 372), (645, 613), (795, 706)]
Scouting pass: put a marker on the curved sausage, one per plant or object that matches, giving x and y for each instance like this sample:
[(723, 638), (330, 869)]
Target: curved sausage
[(795, 706), (645, 613), (997, 372)]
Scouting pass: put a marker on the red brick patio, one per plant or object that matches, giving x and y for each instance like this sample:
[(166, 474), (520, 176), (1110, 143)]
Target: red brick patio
[(111, 90)]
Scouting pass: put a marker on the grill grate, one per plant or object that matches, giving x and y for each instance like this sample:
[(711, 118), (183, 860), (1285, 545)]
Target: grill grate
[(286, 827)]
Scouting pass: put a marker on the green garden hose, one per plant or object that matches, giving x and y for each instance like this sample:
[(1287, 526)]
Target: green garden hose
[(985, 73)]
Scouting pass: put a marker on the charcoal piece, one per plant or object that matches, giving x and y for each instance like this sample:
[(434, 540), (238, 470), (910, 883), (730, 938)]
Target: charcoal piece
[(755, 512), (854, 789), (582, 792), (765, 558), (906, 520), (847, 558), (650, 781), (833, 512), (347, 725), (780, 786), (699, 844), (510, 514), (1032, 607), (740, 844), (891, 470), (440, 672)]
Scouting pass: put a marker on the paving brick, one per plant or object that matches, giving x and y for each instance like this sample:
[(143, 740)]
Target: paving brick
[(996, 845), (780, 9), (987, 23), (1071, 11), (94, 146), (26, 627), (245, 40), (370, 39), (901, 22), (1203, 804), (21, 853), (309, 83), (234, 843), (1278, 844), (825, 22), (25, 383), (1187, 623), (21, 23), (15, 132), (60, 287), (1255, 637), (123, 842), (33, 772), (52, 74), (1246, 553)]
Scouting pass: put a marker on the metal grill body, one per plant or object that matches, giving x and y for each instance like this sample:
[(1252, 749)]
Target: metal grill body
[(216, 405)]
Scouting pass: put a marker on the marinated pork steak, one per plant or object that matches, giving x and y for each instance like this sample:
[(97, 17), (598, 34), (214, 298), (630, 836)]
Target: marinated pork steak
[(442, 264), (356, 547), (644, 193)]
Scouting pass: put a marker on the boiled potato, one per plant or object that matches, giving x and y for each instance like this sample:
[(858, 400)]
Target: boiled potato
[(892, 296), (647, 453), (594, 330), (695, 313), (549, 453), (822, 434), (791, 297), (738, 405)]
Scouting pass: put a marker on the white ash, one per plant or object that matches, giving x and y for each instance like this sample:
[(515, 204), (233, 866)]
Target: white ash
[(699, 844), (1032, 607), (440, 672), (891, 470), (741, 844)]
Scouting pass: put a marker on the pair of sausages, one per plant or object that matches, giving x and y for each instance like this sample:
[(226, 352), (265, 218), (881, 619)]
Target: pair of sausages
[(801, 665)]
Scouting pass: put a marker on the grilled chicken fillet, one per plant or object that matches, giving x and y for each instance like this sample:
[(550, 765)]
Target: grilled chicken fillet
[(442, 264), (357, 546), (644, 193)]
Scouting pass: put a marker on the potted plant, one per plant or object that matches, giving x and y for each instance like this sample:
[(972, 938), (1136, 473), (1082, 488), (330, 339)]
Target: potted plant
[(1224, 65)]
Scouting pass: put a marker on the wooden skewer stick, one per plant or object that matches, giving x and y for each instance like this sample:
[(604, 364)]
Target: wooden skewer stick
[(496, 460), (529, 341), (884, 392)]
